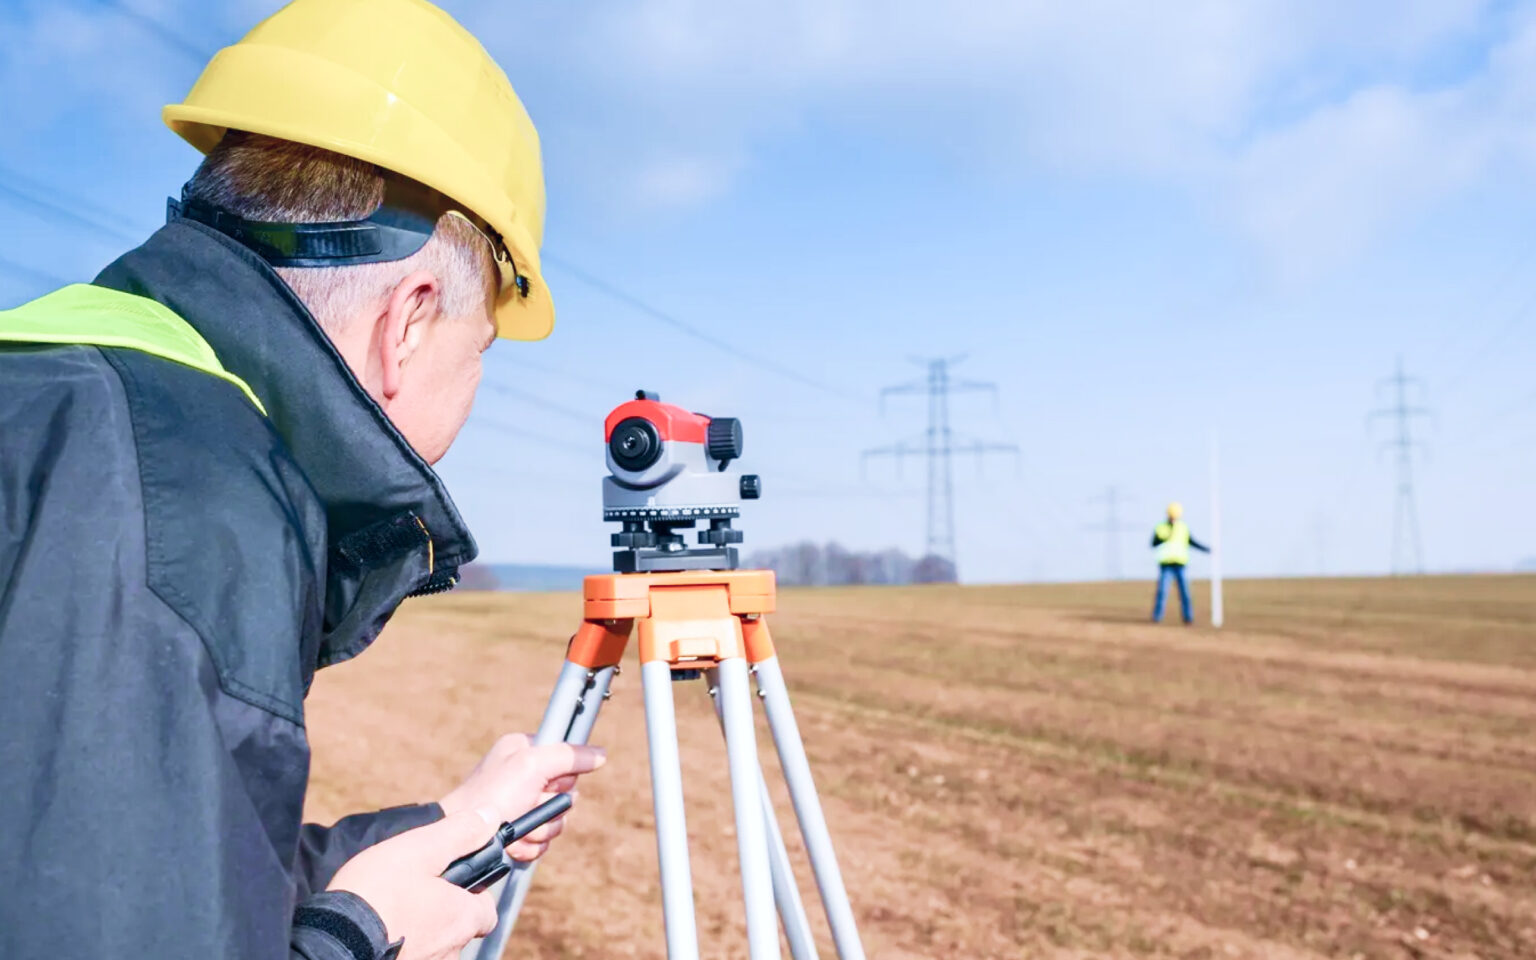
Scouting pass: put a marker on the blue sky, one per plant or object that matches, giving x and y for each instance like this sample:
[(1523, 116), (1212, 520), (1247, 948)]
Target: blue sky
[(1145, 226)]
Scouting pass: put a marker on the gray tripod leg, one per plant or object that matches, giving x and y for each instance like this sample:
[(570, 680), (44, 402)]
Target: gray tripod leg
[(813, 823), (571, 713), (797, 927), (746, 783), (671, 824)]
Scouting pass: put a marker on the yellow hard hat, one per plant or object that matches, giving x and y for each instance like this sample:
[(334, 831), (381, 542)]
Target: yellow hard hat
[(400, 84), (1175, 510)]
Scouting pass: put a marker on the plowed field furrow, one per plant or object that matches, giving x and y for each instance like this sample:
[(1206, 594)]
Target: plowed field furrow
[(1348, 770), (1267, 709)]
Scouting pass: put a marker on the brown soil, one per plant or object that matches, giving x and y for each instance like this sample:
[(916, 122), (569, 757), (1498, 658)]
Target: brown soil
[(1347, 770)]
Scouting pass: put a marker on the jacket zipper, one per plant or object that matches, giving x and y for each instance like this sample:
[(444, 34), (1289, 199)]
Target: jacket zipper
[(440, 583), (436, 582)]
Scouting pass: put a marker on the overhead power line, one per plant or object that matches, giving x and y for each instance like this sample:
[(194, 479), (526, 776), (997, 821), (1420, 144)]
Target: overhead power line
[(1483, 293), (1488, 426), (585, 451), (519, 358), (93, 214), (549, 406), (9, 189), (29, 273), (96, 219), (688, 329), (1469, 369), (1510, 410), (838, 493), (161, 30), (172, 38)]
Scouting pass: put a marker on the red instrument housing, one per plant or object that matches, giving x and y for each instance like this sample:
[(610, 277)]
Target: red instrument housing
[(672, 422)]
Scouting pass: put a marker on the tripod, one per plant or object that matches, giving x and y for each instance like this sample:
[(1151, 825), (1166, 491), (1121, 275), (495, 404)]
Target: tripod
[(699, 623)]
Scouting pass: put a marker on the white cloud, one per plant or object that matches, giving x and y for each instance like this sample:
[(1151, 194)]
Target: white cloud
[(65, 58), (1303, 125), (682, 180), (1122, 85), (49, 44), (1315, 191)]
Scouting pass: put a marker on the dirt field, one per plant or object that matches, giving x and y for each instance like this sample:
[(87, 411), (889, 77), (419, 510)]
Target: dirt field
[(1348, 770)]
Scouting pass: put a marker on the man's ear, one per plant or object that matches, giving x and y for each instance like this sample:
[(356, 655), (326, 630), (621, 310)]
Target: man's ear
[(412, 305)]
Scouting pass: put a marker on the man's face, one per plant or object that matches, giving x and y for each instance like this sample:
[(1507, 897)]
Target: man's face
[(419, 364), (438, 381)]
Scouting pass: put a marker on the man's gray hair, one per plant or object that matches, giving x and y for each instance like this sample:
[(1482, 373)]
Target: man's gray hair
[(263, 178)]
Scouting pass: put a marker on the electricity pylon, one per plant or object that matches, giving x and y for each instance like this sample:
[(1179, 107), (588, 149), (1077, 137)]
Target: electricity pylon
[(1113, 529), (937, 445), (1407, 551)]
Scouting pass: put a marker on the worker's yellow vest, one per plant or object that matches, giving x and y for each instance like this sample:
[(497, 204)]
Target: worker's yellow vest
[(84, 314), (1175, 545)]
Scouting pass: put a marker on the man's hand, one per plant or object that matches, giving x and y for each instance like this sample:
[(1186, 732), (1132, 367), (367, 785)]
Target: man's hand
[(514, 777), (399, 878)]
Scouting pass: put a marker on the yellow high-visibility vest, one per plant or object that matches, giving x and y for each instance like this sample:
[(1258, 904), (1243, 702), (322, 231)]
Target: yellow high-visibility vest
[(84, 314), (1175, 542)]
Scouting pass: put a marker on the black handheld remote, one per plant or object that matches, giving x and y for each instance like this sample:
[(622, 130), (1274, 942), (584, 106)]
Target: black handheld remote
[(477, 871)]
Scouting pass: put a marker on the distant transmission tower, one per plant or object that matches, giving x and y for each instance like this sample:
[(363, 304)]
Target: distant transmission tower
[(937, 445), (1407, 552), (1112, 528)]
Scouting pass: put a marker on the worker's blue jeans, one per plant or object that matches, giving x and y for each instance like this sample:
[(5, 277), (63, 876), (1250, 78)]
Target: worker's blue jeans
[(1175, 572)]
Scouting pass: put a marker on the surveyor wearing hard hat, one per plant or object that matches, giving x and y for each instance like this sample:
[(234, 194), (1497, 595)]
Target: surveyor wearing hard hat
[(1171, 541), (216, 481)]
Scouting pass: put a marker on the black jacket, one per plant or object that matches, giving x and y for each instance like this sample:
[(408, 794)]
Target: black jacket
[(174, 567)]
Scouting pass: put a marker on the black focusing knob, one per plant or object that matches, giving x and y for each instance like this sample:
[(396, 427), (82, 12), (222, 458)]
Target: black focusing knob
[(723, 440), (635, 444), (751, 486)]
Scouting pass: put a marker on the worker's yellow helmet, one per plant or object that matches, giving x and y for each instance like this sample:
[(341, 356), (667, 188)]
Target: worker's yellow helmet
[(400, 84), (1175, 510)]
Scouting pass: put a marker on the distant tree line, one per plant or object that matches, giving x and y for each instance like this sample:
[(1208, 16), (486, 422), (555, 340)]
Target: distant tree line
[(801, 565), (816, 565)]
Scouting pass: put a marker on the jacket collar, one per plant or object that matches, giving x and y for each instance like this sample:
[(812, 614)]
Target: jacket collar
[(381, 499)]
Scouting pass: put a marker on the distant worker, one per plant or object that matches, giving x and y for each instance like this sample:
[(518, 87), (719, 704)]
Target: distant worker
[(1172, 541)]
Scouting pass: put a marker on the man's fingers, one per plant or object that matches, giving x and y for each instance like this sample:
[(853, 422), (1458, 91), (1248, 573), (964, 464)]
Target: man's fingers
[(556, 760), (466, 915), (525, 850), (434, 846), (547, 832), (560, 785), (551, 829), (485, 914), (511, 743)]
